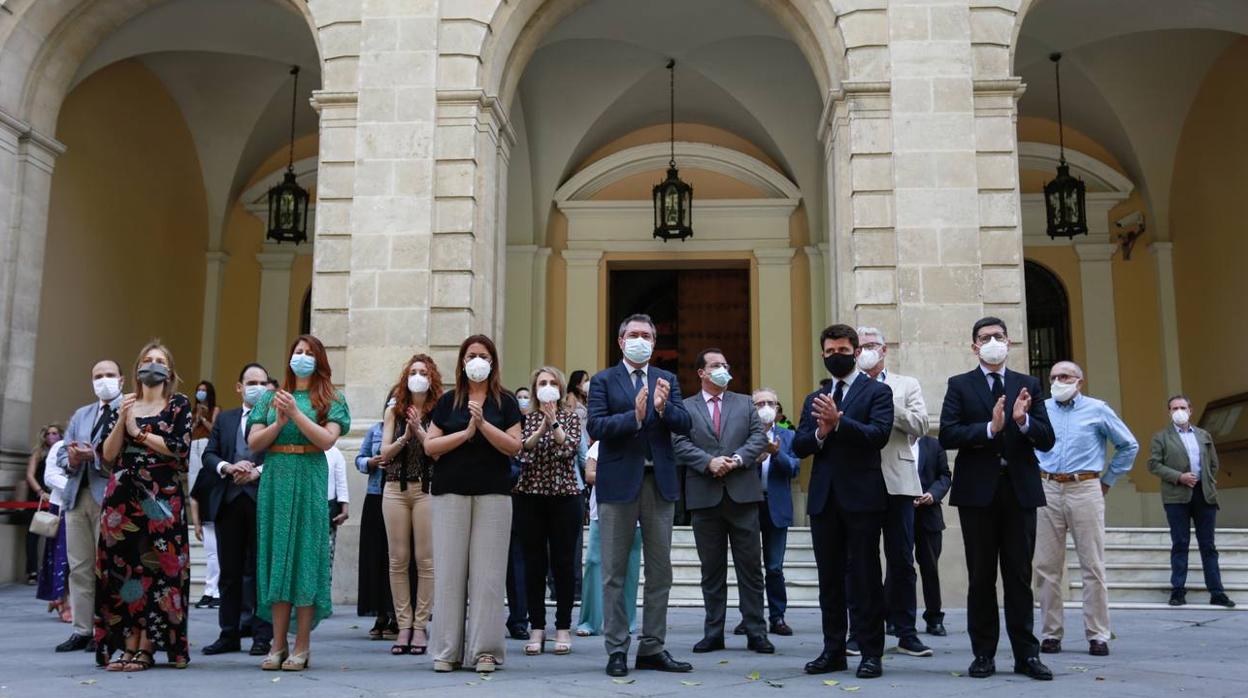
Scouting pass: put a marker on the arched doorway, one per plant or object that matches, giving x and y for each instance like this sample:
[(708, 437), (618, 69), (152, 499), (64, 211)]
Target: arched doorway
[(1048, 320)]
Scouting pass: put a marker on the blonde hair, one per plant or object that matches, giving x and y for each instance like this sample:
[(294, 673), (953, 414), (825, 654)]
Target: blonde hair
[(559, 380), (171, 386)]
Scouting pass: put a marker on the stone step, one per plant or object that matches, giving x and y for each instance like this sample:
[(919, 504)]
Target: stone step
[(1161, 536), (1149, 592)]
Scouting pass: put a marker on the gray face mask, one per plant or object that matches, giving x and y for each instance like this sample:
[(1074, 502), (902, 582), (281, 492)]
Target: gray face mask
[(153, 374)]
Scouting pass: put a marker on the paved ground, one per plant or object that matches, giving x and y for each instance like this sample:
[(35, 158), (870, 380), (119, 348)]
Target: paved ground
[(1158, 653)]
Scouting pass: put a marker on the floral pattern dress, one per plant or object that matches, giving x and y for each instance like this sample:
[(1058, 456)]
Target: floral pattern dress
[(142, 563), (292, 514)]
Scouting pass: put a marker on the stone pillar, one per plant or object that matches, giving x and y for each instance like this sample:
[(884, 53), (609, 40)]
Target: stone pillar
[(581, 346), (520, 327), (214, 276), (275, 264), (1163, 260), (1100, 333), (775, 320), (26, 161)]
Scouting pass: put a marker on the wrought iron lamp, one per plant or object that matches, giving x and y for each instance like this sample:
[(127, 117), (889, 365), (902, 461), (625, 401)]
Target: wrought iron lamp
[(673, 197)]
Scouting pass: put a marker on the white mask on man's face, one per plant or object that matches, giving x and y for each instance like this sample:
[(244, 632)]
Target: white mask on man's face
[(1181, 417)]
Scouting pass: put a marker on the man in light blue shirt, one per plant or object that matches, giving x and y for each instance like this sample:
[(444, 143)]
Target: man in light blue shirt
[(1074, 490)]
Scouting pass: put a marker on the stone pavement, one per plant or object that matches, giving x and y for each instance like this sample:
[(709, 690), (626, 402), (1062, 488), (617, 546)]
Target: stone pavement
[(1158, 653)]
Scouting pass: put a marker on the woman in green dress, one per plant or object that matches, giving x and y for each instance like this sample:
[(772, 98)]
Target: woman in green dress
[(294, 427)]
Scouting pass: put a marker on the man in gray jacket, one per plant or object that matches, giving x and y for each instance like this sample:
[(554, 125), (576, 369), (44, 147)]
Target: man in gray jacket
[(1184, 457), (84, 493), (722, 492)]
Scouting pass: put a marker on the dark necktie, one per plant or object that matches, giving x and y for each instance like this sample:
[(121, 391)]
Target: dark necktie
[(998, 386), (97, 430), (715, 414), (839, 393), (639, 379)]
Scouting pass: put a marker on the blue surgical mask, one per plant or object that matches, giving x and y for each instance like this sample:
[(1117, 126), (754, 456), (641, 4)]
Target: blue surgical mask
[(638, 349), (720, 376), (201, 395), (253, 393), (303, 364), (524, 402)]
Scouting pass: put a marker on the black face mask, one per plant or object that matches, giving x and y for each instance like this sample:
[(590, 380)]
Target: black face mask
[(153, 374), (839, 365)]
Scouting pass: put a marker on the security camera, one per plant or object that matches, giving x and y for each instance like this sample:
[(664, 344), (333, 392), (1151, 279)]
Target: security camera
[(1130, 220)]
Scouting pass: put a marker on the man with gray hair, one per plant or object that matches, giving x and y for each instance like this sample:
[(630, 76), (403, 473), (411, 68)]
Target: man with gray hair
[(901, 478), (1074, 494)]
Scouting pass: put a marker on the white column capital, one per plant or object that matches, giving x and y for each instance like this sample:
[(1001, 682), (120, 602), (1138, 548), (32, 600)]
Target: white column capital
[(774, 255), (1095, 251), (216, 257), (276, 258), (582, 258)]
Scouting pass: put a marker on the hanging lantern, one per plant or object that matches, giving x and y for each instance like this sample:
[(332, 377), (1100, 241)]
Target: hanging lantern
[(1065, 197), (288, 202), (673, 197)]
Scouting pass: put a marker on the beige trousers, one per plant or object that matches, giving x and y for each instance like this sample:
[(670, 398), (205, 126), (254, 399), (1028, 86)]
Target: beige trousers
[(82, 535), (409, 517), (471, 535), (1077, 507)]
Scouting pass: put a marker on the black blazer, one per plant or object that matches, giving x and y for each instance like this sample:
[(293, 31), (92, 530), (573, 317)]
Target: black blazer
[(848, 465), (964, 420), (210, 489), (934, 476)]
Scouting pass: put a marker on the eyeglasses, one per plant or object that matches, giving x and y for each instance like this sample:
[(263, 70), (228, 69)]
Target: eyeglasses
[(1064, 378), (712, 367), (766, 403), (985, 338)]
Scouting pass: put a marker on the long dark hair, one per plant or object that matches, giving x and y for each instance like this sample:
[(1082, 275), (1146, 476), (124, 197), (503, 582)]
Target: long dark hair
[(403, 397), (209, 388), (320, 383), (574, 385), (493, 384)]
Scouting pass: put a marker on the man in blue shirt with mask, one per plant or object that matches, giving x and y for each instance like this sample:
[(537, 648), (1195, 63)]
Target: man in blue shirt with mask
[(1074, 492)]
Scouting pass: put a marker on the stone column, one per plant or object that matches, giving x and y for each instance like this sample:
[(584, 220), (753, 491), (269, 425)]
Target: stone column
[(275, 264), (1163, 261), (214, 275), (581, 346), (520, 326), (775, 320), (26, 161), (1100, 332)]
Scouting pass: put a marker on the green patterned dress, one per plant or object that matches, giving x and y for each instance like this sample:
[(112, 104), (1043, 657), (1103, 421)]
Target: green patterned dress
[(292, 515)]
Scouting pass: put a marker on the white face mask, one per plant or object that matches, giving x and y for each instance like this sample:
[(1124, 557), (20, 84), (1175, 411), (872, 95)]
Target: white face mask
[(253, 393), (720, 376), (1180, 417), (523, 402), (106, 389), (1063, 392), (417, 384), (868, 359), (638, 350), (548, 394), (767, 414), (994, 352), (477, 369)]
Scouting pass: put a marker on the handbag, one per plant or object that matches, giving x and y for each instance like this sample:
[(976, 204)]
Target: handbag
[(44, 523)]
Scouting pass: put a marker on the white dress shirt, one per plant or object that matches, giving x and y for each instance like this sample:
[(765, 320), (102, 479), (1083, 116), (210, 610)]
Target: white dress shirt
[(1009, 409), (848, 381), (1188, 437), (337, 475), (54, 477), (766, 464)]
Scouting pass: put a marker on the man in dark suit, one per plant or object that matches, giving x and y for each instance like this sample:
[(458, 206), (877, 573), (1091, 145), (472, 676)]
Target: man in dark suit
[(929, 524), (990, 418), (634, 408), (722, 492), (228, 486), (844, 426)]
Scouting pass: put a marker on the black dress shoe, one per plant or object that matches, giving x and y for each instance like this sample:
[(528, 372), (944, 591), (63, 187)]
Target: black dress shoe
[(260, 648), (870, 668), (779, 627), (75, 643), (827, 663), (1032, 667), (937, 629), (760, 644), (1097, 648), (739, 630), (1221, 600), (518, 632), (982, 668), (1050, 646), (662, 662), (223, 645), (245, 631), (708, 644), (1178, 597), (214, 603), (617, 664), (205, 601)]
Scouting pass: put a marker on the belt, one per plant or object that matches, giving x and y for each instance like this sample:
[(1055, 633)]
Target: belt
[(1070, 477), (294, 449)]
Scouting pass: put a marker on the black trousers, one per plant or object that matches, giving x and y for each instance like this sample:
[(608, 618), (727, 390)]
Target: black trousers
[(236, 554), (839, 537), (927, 547), (549, 527), (1002, 533)]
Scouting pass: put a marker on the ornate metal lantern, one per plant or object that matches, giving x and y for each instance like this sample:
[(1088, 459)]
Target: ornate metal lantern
[(288, 202), (1064, 197), (673, 197)]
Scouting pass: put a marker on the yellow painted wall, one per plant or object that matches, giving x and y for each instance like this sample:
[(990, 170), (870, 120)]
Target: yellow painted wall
[(127, 227), (1210, 246)]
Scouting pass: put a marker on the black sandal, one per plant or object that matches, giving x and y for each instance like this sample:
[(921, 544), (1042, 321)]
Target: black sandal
[(138, 663), (120, 663), (419, 649), (401, 648)]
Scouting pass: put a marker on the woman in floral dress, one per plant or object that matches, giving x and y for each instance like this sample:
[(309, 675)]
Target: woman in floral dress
[(294, 426), (142, 572)]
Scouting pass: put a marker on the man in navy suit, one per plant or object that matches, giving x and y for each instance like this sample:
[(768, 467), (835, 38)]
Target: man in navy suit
[(229, 485), (991, 419), (929, 524), (844, 426), (634, 409)]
